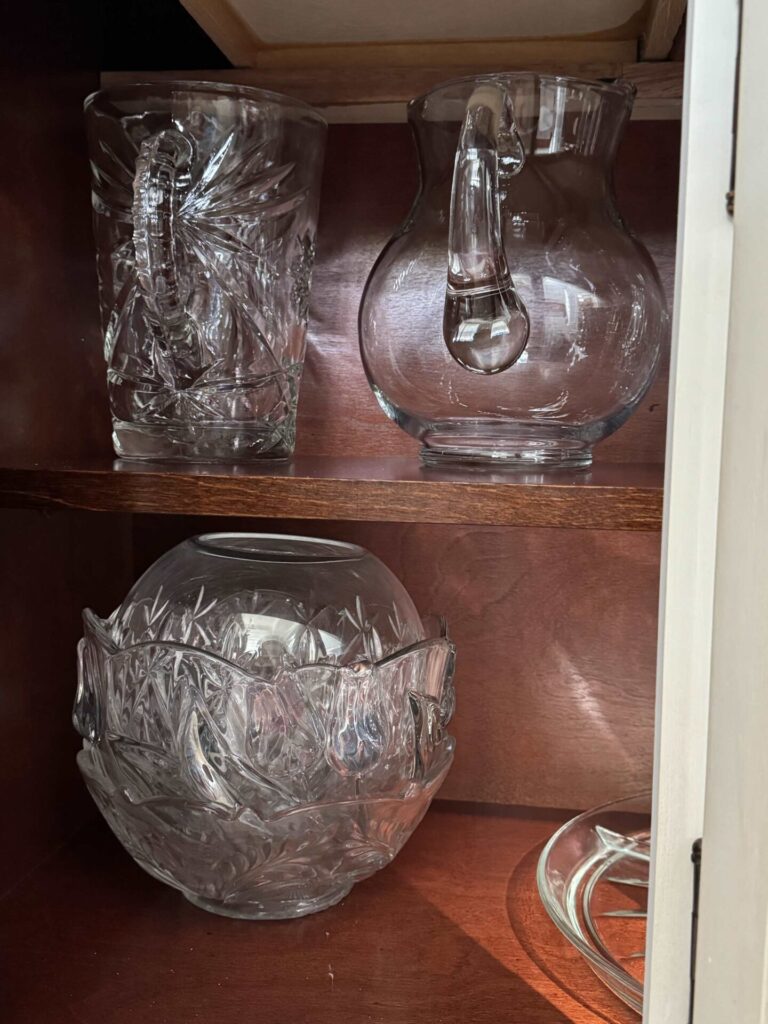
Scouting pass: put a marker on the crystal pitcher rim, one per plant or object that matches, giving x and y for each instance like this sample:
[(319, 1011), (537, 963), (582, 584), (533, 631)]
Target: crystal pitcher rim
[(619, 87), (126, 90)]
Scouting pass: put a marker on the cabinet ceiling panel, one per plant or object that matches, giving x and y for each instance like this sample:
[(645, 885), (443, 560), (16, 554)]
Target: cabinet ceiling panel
[(313, 22)]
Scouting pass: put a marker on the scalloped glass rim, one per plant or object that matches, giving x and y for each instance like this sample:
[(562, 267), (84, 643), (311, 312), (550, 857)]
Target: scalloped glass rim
[(435, 626), (604, 968)]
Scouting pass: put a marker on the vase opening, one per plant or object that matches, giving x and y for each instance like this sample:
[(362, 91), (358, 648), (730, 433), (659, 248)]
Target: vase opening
[(274, 547)]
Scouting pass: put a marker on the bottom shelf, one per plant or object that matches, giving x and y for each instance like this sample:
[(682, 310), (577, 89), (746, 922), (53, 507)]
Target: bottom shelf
[(452, 931)]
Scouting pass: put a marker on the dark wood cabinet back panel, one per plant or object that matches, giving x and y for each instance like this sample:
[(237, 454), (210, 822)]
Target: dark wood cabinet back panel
[(52, 378), (51, 567), (556, 643)]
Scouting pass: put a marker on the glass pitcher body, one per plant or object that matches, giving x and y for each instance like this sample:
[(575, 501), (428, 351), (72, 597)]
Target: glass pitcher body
[(205, 207), (513, 319)]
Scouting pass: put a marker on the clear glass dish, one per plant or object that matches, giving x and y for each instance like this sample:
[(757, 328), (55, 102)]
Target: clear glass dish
[(264, 720), (593, 880)]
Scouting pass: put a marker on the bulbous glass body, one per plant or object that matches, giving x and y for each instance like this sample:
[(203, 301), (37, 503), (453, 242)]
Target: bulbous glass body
[(512, 318), (264, 720)]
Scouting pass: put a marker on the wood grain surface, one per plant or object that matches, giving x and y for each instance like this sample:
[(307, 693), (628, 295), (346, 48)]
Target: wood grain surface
[(452, 932), (555, 632), (390, 489)]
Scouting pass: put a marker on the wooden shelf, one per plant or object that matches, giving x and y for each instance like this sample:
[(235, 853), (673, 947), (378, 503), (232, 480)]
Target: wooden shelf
[(607, 497), (451, 932)]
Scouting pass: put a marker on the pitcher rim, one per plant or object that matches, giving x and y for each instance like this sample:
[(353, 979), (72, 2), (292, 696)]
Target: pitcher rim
[(619, 87), (127, 89)]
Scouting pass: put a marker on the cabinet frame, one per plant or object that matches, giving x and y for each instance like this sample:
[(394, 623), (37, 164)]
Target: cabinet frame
[(689, 533)]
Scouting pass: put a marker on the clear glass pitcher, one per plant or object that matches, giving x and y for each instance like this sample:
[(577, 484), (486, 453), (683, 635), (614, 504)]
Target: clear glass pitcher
[(205, 207), (512, 318)]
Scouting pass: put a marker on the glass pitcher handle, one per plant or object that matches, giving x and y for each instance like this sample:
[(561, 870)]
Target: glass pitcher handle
[(161, 178), (485, 323)]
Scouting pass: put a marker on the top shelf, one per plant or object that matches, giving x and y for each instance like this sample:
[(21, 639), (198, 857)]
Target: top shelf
[(606, 497)]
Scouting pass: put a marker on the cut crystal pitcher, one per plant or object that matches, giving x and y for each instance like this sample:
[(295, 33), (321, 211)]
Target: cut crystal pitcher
[(205, 207), (512, 319)]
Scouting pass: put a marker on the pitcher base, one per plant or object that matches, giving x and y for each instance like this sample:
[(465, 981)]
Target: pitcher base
[(528, 455)]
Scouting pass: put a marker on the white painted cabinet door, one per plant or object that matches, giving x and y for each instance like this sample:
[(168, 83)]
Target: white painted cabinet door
[(690, 536), (732, 962)]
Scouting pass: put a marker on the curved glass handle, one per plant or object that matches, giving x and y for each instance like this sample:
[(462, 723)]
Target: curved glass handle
[(161, 179), (485, 323)]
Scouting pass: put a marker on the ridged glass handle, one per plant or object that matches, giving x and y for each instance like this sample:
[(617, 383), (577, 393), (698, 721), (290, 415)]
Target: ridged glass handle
[(160, 182), (485, 323)]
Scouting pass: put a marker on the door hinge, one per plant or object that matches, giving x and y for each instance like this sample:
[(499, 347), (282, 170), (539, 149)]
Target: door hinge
[(696, 859), (730, 195)]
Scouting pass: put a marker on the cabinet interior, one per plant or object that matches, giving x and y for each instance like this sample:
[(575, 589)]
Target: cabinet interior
[(550, 588)]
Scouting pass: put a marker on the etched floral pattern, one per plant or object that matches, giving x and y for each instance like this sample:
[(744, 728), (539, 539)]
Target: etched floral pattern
[(262, 771)]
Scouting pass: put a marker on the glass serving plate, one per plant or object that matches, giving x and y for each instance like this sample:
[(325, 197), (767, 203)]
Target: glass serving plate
[(593, 880)]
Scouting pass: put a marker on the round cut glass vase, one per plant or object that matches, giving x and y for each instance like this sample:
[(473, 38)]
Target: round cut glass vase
[(264, 720), (205, 208), (513, 319)]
